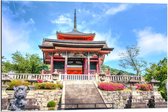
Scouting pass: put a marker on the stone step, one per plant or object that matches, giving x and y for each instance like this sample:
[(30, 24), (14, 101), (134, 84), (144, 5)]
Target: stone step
[(161, 104), (138, 105), (82, 93), (144, 105)]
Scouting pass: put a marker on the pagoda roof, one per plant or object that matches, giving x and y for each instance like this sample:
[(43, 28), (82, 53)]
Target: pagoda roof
[(154, 81), (73, 41), (52, 43), (77, 33)]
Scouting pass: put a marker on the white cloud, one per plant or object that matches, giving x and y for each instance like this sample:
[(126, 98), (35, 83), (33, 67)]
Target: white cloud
[(62, 19), (115, 10), (112, 42), (114, 55), (151, 42), (52, 36), (13, 37), (84, 11), (15, 34), (31, 21), (63, 23)]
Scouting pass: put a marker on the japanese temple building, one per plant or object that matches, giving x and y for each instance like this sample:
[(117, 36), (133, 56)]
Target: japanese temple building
[(74, 52)]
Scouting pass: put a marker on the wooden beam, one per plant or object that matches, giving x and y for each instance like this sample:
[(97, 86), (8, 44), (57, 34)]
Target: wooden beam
[(77, 49)]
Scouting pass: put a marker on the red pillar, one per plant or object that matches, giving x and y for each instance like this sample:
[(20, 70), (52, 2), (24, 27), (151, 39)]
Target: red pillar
[(66, 59), (88, 64), (99, 65), (84, 61), (85, 69), (51, 64)]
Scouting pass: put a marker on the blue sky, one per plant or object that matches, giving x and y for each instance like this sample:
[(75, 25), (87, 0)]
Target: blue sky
[(25, 24)]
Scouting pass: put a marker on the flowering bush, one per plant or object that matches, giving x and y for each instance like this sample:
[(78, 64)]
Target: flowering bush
[(144, 87), (39, 80), (109, 86)]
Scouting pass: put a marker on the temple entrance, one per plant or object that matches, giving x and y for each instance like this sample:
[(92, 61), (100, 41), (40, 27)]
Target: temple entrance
[(75, 66)]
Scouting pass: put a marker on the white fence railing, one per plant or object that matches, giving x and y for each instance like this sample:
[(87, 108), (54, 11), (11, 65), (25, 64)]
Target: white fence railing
[(77, 77), (49, 77), (122, 78), (32, 77)]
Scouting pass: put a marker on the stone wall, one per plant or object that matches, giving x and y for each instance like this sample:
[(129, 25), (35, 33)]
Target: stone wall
[(116, 97), (119, 98), (42, 97)]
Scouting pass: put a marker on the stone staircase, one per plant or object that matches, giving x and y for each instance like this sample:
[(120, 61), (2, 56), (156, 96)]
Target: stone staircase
[(82, 95)]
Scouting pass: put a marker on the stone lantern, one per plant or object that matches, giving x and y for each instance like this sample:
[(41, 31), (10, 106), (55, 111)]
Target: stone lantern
[(155, 92), (133, 81), (102, 76), (153, 82)]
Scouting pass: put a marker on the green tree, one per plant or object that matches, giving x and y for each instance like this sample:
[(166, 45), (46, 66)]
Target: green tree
[(20, 63), (158, 72), (30, 63), (130, 60), (7, 66)]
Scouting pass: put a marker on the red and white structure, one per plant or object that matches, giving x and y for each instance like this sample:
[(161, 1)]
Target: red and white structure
[(74, 52)]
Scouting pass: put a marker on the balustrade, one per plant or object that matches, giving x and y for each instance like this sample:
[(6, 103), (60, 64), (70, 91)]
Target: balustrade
[(26, 76), (77, 77), (122, 78), (113, 78)]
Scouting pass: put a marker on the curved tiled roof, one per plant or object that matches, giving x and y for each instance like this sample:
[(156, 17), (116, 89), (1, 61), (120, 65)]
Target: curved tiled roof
[(76, 32), (74, 41), (51, 43)]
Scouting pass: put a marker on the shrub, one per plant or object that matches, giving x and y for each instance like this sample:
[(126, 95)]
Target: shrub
[(39, 86), (109, 86), (48, 85), (59, 86), (51, 103), (144, 87), (45, 85), (17, 83)]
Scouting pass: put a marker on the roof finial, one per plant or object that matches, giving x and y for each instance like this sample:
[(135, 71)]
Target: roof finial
[(75, 20)]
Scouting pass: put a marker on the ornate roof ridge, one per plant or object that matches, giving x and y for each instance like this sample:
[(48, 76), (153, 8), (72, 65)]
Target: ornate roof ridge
[(73, 41), (75, 32)]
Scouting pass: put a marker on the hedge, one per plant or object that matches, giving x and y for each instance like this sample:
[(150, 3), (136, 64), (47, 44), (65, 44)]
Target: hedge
[(48, 85)]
